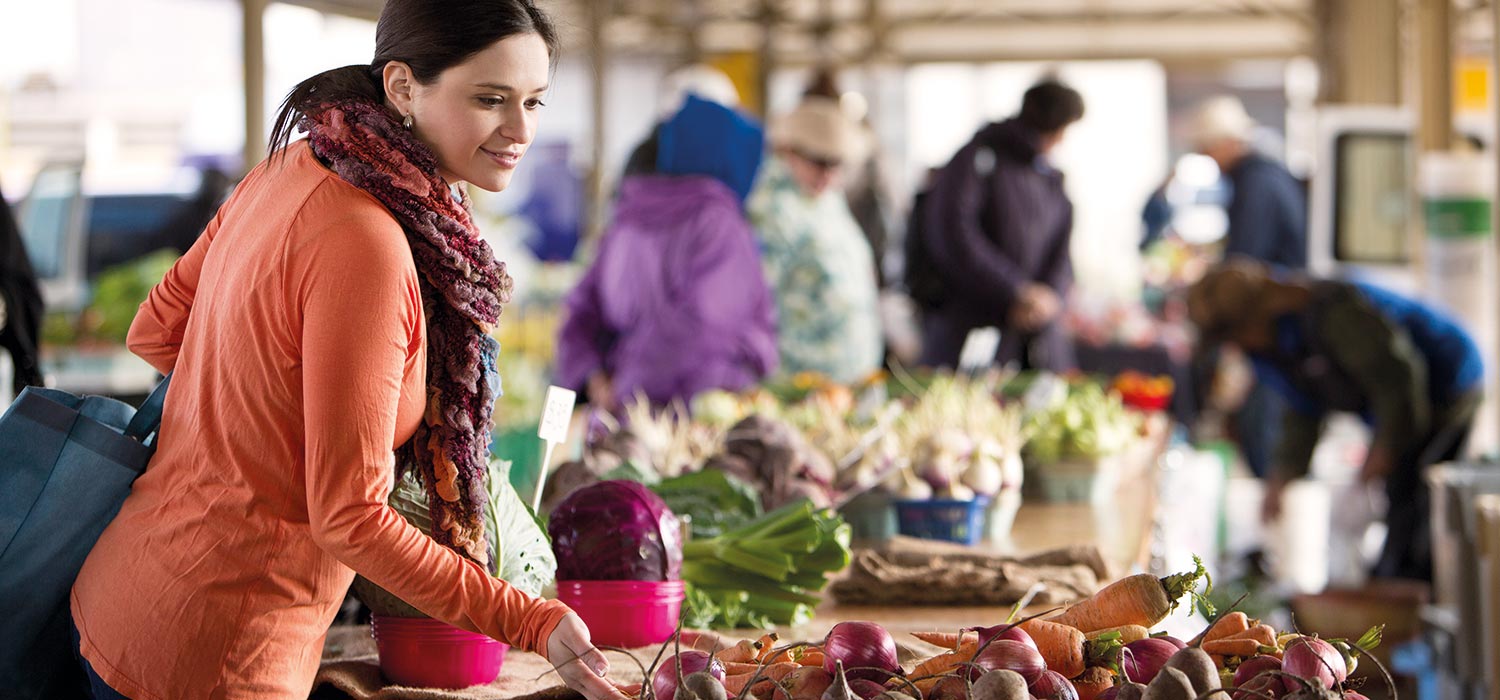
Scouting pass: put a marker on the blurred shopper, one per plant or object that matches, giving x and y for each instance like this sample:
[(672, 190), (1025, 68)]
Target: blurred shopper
[(866, 188), (1267, 214), (699, 79), (1267, 205), (20, 304), (328, 331), (554, 205), (675, 303), (1329, 346), (993, 238), (817, 261)]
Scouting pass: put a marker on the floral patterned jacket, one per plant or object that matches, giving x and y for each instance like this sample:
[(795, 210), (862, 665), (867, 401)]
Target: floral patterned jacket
[(822, 274)]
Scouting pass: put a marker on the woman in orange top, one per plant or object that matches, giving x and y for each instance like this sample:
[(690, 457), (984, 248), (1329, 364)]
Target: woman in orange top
[(329, 328)]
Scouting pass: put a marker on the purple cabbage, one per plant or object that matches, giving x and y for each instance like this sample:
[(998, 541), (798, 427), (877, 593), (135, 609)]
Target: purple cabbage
[(616, 531)]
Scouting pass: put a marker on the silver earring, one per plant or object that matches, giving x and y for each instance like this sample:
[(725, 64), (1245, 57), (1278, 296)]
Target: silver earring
[(406, 123)]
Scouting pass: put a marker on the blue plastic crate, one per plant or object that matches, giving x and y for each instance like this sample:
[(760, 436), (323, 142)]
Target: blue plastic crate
[(952, 521)]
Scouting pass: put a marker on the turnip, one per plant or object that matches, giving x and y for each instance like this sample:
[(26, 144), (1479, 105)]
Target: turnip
[(1000, 685)]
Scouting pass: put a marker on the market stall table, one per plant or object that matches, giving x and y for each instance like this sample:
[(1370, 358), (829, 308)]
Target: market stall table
[(1121, 529)]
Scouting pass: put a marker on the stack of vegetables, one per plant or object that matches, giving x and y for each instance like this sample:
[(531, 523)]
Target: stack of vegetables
[(1079, 421), (768, 572), (1142, 391), (962, 443), (1052, 658)]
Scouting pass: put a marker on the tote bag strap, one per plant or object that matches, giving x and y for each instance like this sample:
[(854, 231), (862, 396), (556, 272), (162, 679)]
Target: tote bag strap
[(148, 417)]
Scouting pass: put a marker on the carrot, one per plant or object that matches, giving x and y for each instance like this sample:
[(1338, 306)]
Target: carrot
[(732, 668), (945, 662), (812, 657), (734, 685), (946, 640), (744, 652), (1141, 599), (767, 644), (1232, 647), (1228, 626), (1218, 660), (1265, 634), (776, 672), (1245, 643), (1061, 645), (1091, 683), (1128, 633)]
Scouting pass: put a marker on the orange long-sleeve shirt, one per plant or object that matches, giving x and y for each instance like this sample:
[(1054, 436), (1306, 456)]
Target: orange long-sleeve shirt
[(295, 329)]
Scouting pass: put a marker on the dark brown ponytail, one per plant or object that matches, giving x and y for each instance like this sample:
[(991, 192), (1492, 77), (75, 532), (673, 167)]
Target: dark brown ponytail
[(349, 82), (431, 36)]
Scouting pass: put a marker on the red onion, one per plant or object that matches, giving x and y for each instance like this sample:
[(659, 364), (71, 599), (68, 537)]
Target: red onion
[(1142, 659), (1175, 641), (1011, 656), (1109, 693), (1351, 695), (1313, 659), (807, 683), (1011, 632), (664, 682), (1052, 685), (865, 648), (1254, 666)]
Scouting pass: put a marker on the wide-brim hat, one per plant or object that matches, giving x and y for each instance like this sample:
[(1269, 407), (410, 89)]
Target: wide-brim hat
[(818, 128), (1221, 118)]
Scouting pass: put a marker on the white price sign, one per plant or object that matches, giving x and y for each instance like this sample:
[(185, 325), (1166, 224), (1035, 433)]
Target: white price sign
[(557, 414), (979, 349)]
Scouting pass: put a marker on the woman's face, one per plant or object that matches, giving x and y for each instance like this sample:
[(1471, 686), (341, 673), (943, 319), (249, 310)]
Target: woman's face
[(814, 177), (480, 115)]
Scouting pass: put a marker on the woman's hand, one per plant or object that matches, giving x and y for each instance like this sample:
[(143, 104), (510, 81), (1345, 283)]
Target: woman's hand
[(581, 665)]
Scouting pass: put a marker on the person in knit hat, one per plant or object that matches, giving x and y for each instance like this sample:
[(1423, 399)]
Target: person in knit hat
[(1413, 374), (816, 257)]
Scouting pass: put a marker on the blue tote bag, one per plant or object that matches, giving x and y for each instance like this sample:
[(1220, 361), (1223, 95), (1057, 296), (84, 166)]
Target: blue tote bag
[(66, 465)]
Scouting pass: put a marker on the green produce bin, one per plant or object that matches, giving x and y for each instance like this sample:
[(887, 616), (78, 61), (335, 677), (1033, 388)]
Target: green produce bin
[(523, 448)]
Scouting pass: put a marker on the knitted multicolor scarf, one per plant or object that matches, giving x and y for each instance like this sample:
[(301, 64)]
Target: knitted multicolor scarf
[(463, 287)]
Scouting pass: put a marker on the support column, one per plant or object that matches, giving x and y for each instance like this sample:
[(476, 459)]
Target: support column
[(254, 57), (769, 15), (1356, 62), (1434, 75), (598, 58)]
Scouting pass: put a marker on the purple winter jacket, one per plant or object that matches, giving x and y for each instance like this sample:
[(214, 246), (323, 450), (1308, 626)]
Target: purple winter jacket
[(675, 302)]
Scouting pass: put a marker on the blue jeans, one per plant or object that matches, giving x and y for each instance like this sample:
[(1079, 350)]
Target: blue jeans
[(98, 689)]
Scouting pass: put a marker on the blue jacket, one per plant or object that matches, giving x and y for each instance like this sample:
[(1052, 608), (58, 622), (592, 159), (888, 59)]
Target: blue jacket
[(1267, 214)]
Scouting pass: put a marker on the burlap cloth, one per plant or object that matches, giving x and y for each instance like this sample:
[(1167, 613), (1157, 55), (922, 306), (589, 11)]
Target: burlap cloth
[(925, 572)]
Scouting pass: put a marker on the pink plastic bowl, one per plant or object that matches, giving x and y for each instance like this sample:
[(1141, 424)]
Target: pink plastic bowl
[(625, 613), (421, 652)]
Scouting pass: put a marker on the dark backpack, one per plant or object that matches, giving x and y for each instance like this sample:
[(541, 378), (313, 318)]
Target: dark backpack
[(924, 282), (923, 277)]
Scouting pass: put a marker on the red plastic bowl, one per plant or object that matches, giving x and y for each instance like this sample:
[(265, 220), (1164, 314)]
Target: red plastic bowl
[(420, 652), (625, 613)]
